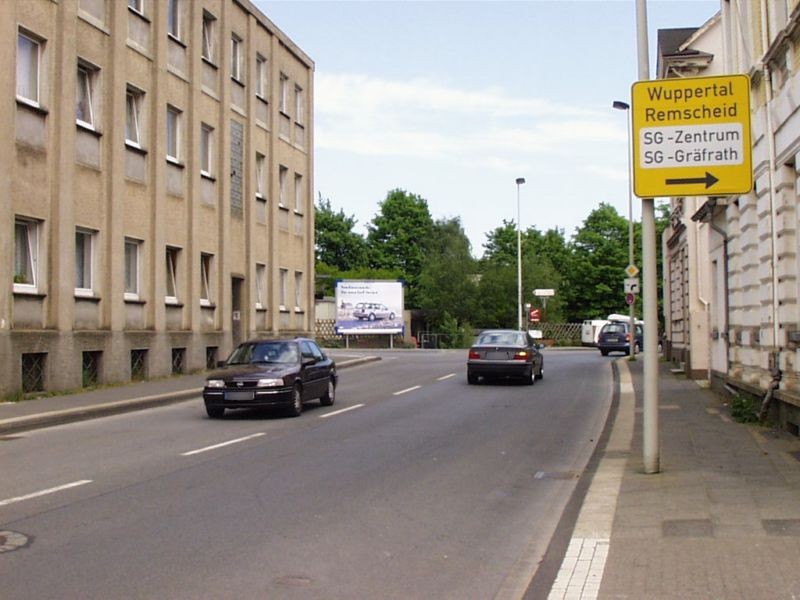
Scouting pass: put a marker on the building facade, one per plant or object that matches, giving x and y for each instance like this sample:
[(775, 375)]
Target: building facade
[(156, 188), (688, 52)]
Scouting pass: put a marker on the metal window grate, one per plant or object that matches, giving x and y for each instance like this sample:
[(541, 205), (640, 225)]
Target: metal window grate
[(139, 364), (90, 368), (211, 357), (33, 366), (178, 360)]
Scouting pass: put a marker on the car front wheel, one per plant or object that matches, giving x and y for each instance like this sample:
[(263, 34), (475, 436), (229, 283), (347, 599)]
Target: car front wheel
[(541, 373), (215, 412), (329, 397), (296, 409)]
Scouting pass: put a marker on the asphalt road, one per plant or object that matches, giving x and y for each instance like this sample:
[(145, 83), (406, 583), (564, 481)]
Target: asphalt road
[(414, 485)]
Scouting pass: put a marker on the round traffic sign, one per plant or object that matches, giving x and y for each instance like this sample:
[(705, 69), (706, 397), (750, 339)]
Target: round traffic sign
[(630, 298)]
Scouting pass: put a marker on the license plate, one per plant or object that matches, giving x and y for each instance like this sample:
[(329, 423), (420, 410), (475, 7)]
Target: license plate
[(496, 355), (238, 395)]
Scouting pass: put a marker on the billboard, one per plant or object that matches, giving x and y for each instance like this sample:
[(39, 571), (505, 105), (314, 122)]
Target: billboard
[(369, 306)]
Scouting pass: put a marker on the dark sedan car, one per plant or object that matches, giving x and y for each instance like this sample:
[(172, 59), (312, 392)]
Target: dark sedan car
[(616, 337), (271, 373), (504, 353)]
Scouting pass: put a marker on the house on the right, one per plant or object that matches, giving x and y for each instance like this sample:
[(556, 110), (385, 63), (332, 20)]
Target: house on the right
[(738, 280)]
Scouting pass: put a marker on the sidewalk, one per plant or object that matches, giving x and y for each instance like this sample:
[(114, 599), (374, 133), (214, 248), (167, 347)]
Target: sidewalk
[(56, 410), (721, 519)]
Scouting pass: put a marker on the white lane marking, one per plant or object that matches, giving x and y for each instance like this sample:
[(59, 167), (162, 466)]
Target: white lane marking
[(448, 376), (222, 444), (338, 412), (405, 391), (52, 490)]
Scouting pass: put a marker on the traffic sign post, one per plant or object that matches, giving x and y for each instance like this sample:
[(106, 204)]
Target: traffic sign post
[(691, 136)]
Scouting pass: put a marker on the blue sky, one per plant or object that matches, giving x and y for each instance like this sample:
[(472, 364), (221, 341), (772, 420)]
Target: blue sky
[(454, 100)]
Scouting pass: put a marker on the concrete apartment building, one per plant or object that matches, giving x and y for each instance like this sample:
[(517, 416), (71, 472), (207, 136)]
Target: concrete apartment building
[(156, 188), (747, 245)]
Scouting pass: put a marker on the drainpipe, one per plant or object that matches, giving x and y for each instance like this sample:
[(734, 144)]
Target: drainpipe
[(726, 308), (775, 370)]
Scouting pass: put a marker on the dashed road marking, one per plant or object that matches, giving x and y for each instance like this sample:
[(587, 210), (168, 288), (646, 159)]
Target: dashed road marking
[(343, 410), (405, 391), (51, 490), (448, 376), (222, 444)]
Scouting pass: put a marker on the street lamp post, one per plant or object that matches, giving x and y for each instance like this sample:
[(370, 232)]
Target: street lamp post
[(619, 105), (520, 181)]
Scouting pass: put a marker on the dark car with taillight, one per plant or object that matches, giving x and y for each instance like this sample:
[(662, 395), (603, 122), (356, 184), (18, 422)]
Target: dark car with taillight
[(616, 337), (271, 373), (504, 353)]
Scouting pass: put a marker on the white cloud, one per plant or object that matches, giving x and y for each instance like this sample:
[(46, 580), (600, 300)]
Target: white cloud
[(424, 119)]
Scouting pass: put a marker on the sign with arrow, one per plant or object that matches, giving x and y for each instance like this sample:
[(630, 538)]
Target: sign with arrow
[(691, 136)]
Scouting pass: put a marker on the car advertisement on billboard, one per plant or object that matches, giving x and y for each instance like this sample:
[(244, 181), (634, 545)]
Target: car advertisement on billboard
[(367, 306)]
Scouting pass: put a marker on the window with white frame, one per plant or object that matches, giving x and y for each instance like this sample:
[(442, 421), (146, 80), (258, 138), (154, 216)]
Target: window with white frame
[(133, 116), (173, 255), (261, 281), (85, 95), (261, 77), (174, 18), (236, 57), (206, 261), (84, 261), (206, 135), (209, 26), (260, 161), (137, 5), (283, 99), (26, 254), (299, 100), (284, 276), (173, 133), (298, 192), (298, 290), (132, 251), (29, 56), (283, 173)]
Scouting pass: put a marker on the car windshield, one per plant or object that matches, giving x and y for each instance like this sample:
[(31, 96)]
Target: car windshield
[(264, 352), (501, 338)]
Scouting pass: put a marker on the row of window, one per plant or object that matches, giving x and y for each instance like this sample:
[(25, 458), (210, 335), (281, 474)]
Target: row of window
[(87, 78), (27, 233)]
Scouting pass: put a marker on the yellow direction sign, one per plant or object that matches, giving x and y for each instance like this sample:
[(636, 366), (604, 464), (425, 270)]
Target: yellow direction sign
[(691, 136)]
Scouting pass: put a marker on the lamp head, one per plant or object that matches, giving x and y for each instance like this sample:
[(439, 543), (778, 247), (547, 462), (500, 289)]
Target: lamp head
[(620, 105), (520, 180)]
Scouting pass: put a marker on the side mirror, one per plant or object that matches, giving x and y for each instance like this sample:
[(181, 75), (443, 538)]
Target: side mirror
[(308, 360)]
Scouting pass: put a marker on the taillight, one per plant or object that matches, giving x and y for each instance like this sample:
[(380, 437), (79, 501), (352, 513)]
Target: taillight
[(473, 354), (521, 355)]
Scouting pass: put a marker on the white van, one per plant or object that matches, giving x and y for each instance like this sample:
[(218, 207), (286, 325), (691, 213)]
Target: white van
[(590, 329)]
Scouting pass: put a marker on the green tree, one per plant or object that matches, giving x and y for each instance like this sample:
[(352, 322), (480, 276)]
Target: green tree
[(446, 288), (337, 245), (600, 254), (399, 236)]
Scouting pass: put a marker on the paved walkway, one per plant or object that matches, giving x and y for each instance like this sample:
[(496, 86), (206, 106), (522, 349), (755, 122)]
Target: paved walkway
[(721, 520)]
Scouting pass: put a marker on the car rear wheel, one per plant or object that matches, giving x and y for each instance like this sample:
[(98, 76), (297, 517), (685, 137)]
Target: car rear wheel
[(371, 317), (530, 376), (296, 409), (215, 412), (328, 398), (604, 352), (472, 379)]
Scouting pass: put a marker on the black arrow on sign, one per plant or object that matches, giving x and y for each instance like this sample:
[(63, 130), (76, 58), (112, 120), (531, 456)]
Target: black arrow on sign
[(709, 180)]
